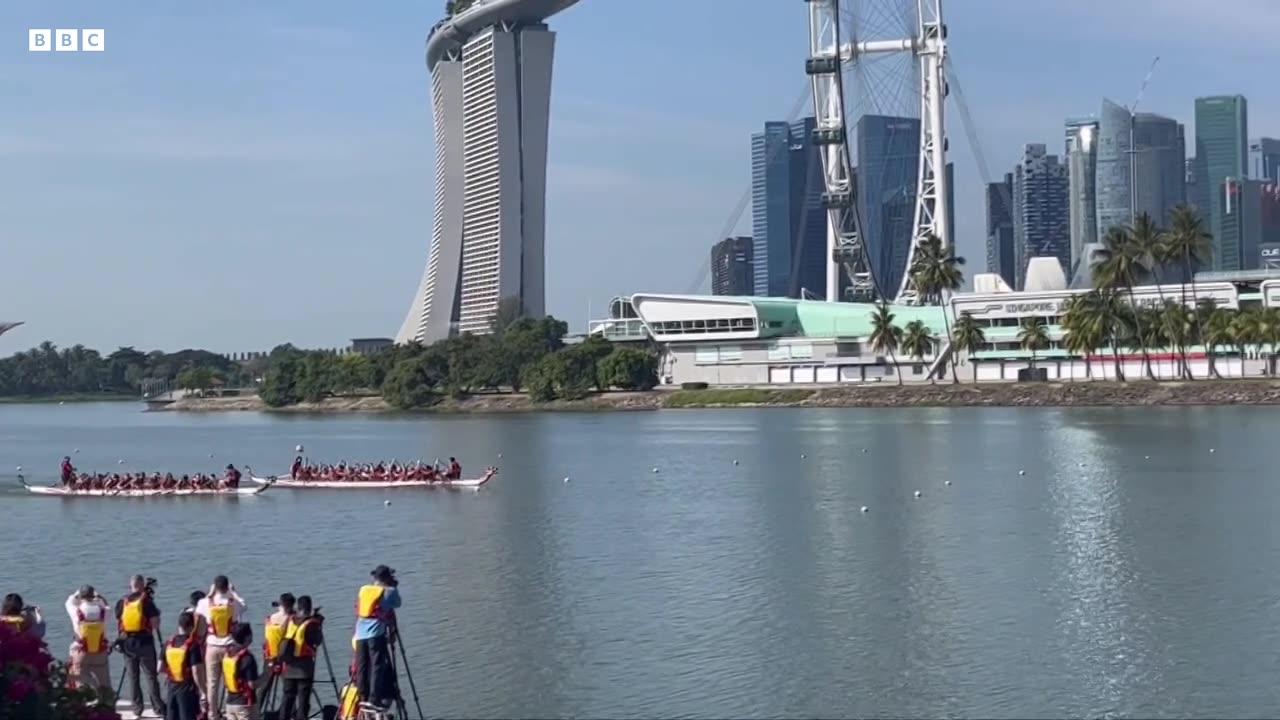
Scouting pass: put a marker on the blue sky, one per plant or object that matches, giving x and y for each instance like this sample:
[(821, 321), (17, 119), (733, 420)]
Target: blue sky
[(237, 174)]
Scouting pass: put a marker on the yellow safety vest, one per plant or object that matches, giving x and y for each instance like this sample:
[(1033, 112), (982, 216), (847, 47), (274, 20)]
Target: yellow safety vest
[(230, 676), (133, 616), (369, 602), (92, 635), (220, 617), (175, 658), (273, 634)]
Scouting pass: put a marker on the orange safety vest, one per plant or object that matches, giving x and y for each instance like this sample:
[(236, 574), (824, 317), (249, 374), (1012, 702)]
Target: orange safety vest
[(297, 634), (133, 616), (220, 617), (175, 657), (369, 602), (231, 674), (91, 636), (273, 634)]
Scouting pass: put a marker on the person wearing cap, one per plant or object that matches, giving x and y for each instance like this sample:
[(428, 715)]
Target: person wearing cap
[(376, 605), (90, 649)]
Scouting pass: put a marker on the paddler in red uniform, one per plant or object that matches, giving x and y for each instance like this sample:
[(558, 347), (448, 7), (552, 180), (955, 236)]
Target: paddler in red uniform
[(68, 471), (455, 470), (232, 478)]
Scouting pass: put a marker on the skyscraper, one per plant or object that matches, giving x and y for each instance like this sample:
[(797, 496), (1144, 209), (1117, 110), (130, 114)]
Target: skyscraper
[(1158, 155), (731, 271), (1000, 252), (888, 156), (1222, 150), (1241, 225), (1082, 203), (1162, 160), (490, 68), (1264, 159), (1041, 221), (789, 225)]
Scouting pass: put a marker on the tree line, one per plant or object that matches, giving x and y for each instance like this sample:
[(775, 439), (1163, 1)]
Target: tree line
[(521, 355), (47, 370)]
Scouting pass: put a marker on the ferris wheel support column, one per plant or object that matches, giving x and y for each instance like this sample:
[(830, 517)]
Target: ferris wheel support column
[(824, 66), (933, 195)]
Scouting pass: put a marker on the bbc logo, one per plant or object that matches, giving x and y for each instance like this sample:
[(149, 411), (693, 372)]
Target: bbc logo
[(87, 40)]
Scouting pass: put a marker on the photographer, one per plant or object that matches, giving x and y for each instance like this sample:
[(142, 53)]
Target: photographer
[(376, 604), (223, 611), (139, 621), (89, 650), (303, 639), (21, 617)]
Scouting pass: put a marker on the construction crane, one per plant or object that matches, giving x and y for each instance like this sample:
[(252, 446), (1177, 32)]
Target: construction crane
[(1133, 148)]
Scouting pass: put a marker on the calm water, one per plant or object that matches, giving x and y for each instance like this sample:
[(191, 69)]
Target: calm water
[(1124, 587)]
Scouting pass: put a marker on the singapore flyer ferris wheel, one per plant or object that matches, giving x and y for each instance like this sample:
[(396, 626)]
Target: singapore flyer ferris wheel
[(880, 58)]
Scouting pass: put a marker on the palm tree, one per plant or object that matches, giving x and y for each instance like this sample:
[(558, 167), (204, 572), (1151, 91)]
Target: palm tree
[(1033, 335), (1150, 245), (1118, 266), (1188, 242), (1246, 332), (1178, 326), (935, 274), (885, 336), (918, 341), (1217, 329), (1085, 327), (968, 337)]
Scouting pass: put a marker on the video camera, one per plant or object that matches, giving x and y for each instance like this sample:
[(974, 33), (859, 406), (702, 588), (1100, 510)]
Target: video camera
[(150, 587)]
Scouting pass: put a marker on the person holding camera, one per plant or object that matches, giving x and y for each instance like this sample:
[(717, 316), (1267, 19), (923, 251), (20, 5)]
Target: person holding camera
[(239, 670), (139, 621), (21, 617), (89, 648), (181, 660), (376, 605), (302, 640), (223, 611)]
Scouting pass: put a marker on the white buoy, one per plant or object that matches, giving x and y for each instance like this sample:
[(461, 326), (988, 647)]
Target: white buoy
[(864, 508), (735, 462), (61, 402), (655, 470), (19, 468), (120, 461), (297, 448), (1148, 457), (566, 478), (947, 482), (77, 450), (499, 454), (1022, 472), (864, 449), (386, 502), (1211, 450), (917, 493), (1081, 464), (802, 456)]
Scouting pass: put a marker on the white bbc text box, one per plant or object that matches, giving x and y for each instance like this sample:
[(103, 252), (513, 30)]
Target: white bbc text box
[(93, 40), (39, 40), (66, 40)]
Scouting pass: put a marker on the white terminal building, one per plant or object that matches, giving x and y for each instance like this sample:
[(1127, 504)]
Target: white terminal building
[(779, 341)]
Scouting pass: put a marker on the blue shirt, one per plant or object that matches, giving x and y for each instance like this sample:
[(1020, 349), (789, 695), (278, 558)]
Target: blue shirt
[(369, 628)]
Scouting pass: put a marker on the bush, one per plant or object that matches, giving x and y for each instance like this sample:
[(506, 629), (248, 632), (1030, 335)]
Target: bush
[(34, 687), (409, 385), (693, 386), (629, 369)]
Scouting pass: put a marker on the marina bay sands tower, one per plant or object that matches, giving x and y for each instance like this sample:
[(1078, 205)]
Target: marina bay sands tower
[(490, 64)]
